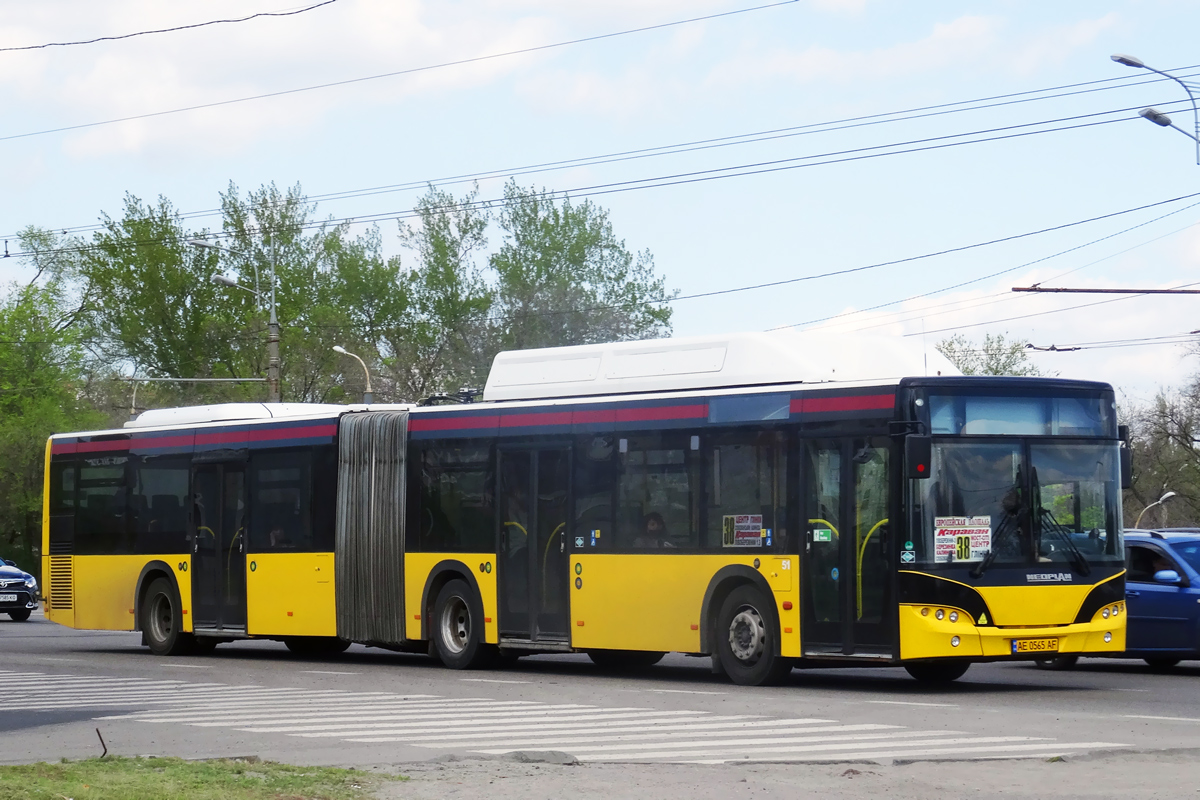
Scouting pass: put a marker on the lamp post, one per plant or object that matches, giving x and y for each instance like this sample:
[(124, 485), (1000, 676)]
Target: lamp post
[(1156, 116), (1166, 496), (272, 324), (368, 395)]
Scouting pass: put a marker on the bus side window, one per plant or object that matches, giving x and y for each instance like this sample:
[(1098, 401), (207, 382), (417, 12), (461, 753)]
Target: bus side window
[(746, 490), (159, 505), (100, 525), (456, 512), (659, 475), (281, 502), (595, 482)]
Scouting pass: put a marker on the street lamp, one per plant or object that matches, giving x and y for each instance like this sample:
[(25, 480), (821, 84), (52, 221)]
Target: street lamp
[(368, 395), (1167, 496), (1156, 116), (272, 325)]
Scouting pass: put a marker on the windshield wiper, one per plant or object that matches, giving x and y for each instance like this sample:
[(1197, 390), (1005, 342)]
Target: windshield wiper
[(1002, 528), (1077, 558)]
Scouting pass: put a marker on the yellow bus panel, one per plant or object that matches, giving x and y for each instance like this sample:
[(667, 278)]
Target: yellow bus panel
[(290, 594), (654, 601), (104, 591), (481, 566), (1055, 604)]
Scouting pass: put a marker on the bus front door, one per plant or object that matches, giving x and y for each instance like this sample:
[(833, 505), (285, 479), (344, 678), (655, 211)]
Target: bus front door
[(847, 577), (532, 497), (218, 547)]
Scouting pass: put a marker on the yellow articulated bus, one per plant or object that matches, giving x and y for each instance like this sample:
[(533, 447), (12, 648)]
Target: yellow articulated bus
[(748, 498)]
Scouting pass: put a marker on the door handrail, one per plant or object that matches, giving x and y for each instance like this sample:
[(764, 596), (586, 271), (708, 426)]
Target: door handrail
[(861, 552)]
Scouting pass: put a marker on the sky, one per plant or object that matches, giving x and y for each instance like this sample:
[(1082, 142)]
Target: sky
[(761, 145)]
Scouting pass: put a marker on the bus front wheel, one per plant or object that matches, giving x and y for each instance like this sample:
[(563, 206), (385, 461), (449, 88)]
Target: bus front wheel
[(746, 639), (456, 628), (938, 671), (162, 620)]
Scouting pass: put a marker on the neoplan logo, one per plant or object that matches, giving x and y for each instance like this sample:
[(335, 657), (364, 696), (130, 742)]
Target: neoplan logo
[(1049, 577)]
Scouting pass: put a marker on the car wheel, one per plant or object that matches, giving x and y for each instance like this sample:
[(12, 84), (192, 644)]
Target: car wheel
[(162, 621), (938, 671), (316, 645), (624, 660), (456, 627), (1162, 663), (746, 639), (20, 615), (1057, 663)]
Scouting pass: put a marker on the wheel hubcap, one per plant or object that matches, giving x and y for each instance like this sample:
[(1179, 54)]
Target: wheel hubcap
[(747, 634), (456, 625), (161, 618)]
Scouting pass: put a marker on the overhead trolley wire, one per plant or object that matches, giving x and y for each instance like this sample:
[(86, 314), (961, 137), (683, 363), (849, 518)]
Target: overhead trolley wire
[(705, 144), (169, 30), (397, 73)]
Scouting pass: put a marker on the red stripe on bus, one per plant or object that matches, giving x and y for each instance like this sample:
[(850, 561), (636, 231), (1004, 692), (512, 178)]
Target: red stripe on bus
[(594, 417), (532, 420), (864, 402), (661, 413), (453, 423)]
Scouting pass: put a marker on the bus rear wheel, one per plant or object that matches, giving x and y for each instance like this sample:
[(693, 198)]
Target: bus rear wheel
[(746, 639), (162, 620), (316, 645), (456, 628), (938, 671), (624, 660)]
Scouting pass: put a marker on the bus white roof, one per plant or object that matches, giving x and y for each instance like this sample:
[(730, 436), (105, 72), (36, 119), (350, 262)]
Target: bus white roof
[(229, 412), (700, 362)]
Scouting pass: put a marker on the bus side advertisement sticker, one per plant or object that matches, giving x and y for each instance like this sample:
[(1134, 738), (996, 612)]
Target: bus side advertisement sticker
[(961, 538)]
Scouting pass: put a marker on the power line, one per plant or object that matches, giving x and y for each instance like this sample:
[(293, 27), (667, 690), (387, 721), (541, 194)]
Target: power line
[(1036, 314), (168, 30), (1007, 295), (704, 144), (397, 73)]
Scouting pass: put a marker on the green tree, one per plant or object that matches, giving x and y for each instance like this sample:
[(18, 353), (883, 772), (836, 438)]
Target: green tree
[(564, 278), (443, 344), (1164, 436), (996, 355), (43, 377)]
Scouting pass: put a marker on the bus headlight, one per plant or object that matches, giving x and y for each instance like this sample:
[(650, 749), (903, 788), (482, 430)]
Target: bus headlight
[(940, 613), (1116, 610), (1104, 613), (954, 616), (954, 641), (1107, 637)]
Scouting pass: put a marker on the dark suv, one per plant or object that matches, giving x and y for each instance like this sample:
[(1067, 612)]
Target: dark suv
[(1162, 598), (18, 591)]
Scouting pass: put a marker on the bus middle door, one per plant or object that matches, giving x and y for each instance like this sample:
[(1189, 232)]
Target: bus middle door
[(219, 546)]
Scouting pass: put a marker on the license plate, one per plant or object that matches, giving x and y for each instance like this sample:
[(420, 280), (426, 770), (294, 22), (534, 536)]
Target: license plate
[(8, 598), (1034, 646)]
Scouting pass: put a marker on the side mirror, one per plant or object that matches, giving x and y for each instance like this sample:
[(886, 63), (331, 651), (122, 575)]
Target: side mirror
[(918, 455), (1126, 457), (1168, 576)]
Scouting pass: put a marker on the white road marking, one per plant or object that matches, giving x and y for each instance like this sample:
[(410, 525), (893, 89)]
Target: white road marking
[(488, 726), (1162, 719), (186, 666), (326, 672)]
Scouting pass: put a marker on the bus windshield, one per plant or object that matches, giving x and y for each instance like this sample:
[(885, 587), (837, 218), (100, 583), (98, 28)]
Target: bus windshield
[(1019, 502)]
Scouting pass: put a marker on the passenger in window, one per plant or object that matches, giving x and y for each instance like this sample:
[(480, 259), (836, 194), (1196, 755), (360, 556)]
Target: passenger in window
[(654, 533), (276, 537), (1158, 563)]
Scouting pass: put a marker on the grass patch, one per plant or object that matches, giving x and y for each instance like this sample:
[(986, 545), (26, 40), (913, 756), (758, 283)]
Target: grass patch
[(219, 779)]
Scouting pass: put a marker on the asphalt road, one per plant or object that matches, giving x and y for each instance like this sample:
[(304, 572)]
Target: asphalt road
[(371, 707)]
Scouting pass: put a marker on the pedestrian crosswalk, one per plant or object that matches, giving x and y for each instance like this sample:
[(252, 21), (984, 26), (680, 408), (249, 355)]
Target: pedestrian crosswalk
[(490, 727)]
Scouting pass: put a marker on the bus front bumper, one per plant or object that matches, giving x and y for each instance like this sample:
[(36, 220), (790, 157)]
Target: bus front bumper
[(924, 635)]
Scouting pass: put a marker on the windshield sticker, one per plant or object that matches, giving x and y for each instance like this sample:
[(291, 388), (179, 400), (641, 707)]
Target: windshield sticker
[(822, 534), (908, 557), (743, 530), (961, 538)]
